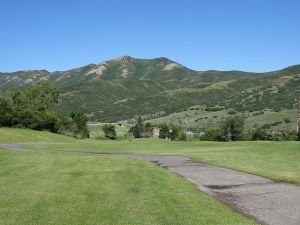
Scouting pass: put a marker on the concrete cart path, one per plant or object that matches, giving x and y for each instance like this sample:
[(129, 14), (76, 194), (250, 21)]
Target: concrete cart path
[(259, 198)]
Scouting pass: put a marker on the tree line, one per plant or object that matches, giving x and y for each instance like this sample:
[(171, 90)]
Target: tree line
[(230, 129), (33, 107)]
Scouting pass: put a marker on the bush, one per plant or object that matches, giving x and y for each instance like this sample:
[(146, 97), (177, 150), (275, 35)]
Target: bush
[(164, 131), (276, 123), (5, 113), (138, 129), (232, 128), (182, 136), (269, 135), (266, 126), (75, 126), (109, 131), (258, 113), (287, 120), (260, 134), (212, 135), (148, 130), (169, 131), (292, 136), (173, 132), (232, 112)]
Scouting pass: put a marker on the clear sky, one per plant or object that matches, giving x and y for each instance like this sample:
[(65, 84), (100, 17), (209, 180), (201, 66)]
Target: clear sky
[(251, 35)]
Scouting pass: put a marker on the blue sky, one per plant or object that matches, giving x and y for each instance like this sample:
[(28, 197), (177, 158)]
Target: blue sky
[(250, 35)]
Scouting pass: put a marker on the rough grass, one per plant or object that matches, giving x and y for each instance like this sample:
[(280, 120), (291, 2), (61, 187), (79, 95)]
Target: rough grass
[(270, 117), (54, 189), (97, 132), (210, 120)]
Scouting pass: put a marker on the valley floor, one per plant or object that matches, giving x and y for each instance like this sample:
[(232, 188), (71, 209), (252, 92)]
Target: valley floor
[(45, 188)]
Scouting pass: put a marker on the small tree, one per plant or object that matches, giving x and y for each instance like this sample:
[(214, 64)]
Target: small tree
[(138, 129), (212, 135), (76, 126), (109, 131), (80, 121), (182, 136), (5, 113), (173, 132), (232, 128), (259, 134), (148, 130), (164, 131), (169, 132)]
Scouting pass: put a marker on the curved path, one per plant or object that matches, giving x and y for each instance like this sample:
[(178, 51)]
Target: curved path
[(261, 199)]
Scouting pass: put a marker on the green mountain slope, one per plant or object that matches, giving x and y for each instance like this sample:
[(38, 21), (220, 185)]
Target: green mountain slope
[(122, 88)]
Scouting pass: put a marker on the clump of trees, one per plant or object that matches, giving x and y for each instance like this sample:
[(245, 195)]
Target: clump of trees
[(141, 130), (75, 125), (171, 132), (109, 131), (33, 108), (232, 129), (272, 135)]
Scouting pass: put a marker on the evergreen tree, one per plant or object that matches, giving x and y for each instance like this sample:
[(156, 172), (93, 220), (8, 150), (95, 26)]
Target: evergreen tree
[(138, 129)]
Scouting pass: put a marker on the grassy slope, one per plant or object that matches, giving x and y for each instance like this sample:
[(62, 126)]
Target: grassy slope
[(15, 135), (210, 120), (44, 189)]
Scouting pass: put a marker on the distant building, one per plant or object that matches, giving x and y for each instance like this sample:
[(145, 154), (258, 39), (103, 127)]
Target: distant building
[(156, 131), (189, 133)]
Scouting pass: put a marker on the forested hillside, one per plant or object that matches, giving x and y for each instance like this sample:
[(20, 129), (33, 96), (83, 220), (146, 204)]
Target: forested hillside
[(122, 88)]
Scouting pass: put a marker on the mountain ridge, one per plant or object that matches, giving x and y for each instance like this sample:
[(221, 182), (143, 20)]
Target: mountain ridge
[(124, 87)]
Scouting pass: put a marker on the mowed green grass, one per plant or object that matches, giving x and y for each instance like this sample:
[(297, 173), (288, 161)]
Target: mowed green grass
[(17, 135), (279, 161), (59, 189)]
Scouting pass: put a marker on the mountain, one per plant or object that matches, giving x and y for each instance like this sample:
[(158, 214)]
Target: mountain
[(122, 88)]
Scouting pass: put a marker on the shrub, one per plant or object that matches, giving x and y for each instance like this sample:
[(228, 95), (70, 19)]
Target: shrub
[(109, 131), (163, 132), (269, 135), (292, 136), (138, 129), (5, 113), (75, 125), (266, 126), (232, 112), (169, 131), (258, 113), (287, 120), (182, 136), (259, 134), (276, 123), (212, 135), (173, 132), (232, 128), (148, 130), (214, 108)]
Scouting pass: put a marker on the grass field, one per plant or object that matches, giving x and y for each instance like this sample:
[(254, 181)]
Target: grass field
[(45, 188), (14, 135), (97, 132), (276, 160)]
